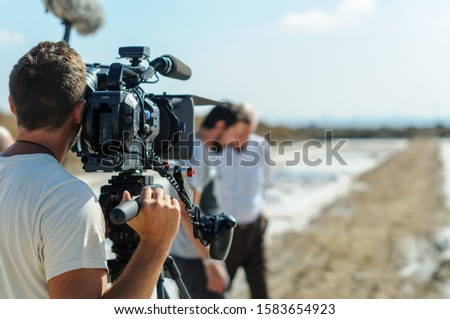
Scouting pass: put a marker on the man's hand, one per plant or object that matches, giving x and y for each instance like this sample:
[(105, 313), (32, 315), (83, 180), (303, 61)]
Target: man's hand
[(217, 277), (158, 219), (157, 224)]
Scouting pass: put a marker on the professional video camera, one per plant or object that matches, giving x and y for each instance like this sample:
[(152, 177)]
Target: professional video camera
[(127, 130), (123, 125)]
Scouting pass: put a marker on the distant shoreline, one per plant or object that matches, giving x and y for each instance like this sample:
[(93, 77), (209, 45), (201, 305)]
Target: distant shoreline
[(302, 132)]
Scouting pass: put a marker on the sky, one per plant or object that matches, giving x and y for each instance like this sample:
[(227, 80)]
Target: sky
[(296, 61)]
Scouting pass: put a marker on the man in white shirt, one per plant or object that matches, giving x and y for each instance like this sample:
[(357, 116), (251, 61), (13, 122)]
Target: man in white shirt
[(205, 278), (243, 178)]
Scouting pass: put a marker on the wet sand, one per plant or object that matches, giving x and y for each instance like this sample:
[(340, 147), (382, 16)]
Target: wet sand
[(378, 242)]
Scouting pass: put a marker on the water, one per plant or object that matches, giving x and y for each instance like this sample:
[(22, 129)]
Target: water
[(301, 192)]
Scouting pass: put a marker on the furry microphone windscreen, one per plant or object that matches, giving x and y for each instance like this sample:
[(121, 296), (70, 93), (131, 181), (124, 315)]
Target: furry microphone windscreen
[(86, 16)]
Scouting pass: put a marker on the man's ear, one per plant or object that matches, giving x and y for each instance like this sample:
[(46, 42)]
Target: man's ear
[(78, 111), (11, 105)]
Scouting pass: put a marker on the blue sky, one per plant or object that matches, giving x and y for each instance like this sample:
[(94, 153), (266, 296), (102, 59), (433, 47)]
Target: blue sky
[(294, 60)]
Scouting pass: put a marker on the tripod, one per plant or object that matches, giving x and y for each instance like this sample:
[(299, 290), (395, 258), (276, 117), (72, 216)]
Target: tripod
[(125, 240)]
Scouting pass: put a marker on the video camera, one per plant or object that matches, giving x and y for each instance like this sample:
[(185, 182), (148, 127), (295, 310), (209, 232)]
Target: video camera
[(126, 130), (123, 126)]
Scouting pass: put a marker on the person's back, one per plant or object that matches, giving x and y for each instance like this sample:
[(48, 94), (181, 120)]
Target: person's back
[(40, 216)]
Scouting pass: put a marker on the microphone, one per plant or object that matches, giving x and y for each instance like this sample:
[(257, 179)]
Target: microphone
[(85, 15), (171, 67)]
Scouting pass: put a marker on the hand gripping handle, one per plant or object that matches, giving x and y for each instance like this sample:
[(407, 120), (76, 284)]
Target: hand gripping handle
[(124, 212)]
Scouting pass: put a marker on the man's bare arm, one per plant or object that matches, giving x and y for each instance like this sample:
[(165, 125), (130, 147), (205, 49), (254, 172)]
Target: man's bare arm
[(156, 224)]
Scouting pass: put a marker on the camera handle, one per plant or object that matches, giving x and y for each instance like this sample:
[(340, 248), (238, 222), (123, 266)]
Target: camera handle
[(124, 212)]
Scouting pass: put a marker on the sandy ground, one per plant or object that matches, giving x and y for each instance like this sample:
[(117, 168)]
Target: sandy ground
[(381, 241)]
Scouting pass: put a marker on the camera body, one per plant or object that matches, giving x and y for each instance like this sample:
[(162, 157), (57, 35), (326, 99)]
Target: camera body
[(123, 126)]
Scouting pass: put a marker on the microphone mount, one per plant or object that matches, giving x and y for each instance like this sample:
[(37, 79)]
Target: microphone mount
[(67, 30)]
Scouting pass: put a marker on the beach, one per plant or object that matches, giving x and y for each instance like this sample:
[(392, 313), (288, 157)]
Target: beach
[(386, 238)]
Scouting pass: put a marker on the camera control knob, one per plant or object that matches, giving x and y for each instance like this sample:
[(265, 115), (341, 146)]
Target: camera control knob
[(128, 110), (128, 120)]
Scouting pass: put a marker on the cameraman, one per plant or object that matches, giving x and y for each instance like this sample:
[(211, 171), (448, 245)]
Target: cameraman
[(52, 232)]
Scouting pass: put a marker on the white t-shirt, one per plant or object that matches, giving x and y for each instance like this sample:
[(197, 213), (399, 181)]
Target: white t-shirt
[(243, 178), (50, 223)]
